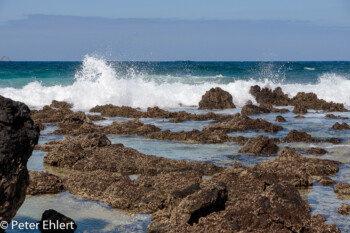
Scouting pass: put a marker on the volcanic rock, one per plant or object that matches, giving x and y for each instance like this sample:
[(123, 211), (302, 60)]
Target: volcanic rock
[(342, 188), (56, 217), (316, 151), (280, 119), (95, 152), (216, 98), (300, 109), (259, 145), (332, 116), (297, 136), (194, 136), (310, 101), (60, 104), (48, 114), (272, 109), (252, 109), (344, 209), (243, 123), (18, 136), (299, 117), (326, 181), (267, 96), (342, 126), (43, 183)]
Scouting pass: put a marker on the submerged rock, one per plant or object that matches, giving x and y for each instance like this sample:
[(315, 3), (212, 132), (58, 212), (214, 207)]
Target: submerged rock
[(316, 151), (259, 145), (216, 98), (267, 96), (297, 136), (243, 123), (332, 116), (56, 218), (299, 117), (95, 152), (344, 209), (18, 136), (280, 119), (252, 109), (342, 126), (43, 183)]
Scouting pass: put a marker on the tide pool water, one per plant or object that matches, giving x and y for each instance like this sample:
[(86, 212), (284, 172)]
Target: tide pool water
[(177, 86)]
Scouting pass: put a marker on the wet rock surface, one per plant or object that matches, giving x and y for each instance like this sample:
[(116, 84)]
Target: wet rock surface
[(49, 114), (60, 104), (311, 101), (332, 116), (43, 183), (259, 145), (216, 98), (326, 181), (194, 136), (344, 209), (290, 166), (95, 152), (273, 109), (340, 126), (316, 151), (155, 112), (267, 96), (239, 199), (251, 109), (243, 123), (342, 188), (299, 117), (56, 217), (280, 119), (300, 109), (297, 136), (18, 136)]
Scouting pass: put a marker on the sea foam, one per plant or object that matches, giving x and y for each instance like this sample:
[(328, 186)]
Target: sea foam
[(98, 83)]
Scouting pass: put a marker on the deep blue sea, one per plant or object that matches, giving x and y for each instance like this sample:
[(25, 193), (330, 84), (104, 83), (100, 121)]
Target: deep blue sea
[(178, 86)]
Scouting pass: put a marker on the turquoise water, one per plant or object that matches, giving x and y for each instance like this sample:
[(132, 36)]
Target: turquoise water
[(178, 86)]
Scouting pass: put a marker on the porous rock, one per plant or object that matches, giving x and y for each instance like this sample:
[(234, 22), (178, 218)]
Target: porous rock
[(216, 98)]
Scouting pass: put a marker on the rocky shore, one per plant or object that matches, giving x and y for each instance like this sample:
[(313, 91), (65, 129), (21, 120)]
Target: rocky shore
[(185, 196)]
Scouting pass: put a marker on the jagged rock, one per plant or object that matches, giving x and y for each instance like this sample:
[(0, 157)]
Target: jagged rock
[(55, 217), (299, 117), (342, 126), (216, 98), (280, 119), (272, 109), (243, 123), (344, 209), (239, 139), (332, 116), (60, 104), (310, 101), (146, 194), (316, 151), (300, 109), (133, 127), (259, 145), (326, 181), (96, 118), (297, 136), (252, 109), (185, 116), (267, 96), (194, 136), (240, 200), (18, 136), (290, 166), (48, 114), (95, 152), (110, 110), (43, 183), (342, 188)]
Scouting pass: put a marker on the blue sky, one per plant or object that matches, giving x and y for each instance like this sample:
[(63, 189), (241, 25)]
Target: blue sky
[(175, 30)]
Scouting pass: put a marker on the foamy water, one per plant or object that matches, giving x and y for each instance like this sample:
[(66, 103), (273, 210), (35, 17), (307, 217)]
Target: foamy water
[(99, 83)]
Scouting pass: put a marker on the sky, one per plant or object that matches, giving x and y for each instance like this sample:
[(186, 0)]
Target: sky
[(163, 30)]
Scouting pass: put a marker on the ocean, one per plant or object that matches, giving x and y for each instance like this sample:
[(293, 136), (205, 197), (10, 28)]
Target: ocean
[(178, 86)]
